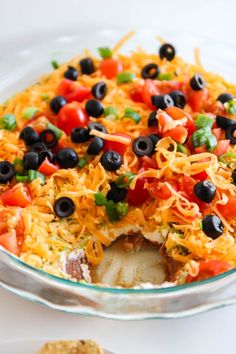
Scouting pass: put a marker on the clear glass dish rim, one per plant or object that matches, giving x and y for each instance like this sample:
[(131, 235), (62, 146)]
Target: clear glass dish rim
[(117, 290)]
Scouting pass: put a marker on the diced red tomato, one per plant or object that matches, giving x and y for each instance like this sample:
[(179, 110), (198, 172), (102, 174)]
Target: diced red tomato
[(9, 242), (48, 168), (160, 189), (136, 93), (116, 146), (71, 116), (19, 195), (196, 99), (186, 185), (178, 113), (111, 67), (208, 269), (139, 194), (200, 149), (163, 118), (149, 162), (222, 147), (13, 215), (219, 133), (178, 134), (165, 87), (201, 176), (73, 91), (229, 209), (149, 90)]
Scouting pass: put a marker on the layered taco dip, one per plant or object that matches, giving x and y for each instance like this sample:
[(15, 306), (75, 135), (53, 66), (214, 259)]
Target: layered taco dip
[(107, 146)]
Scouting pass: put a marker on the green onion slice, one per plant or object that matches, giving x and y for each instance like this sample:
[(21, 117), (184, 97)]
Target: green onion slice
[(230, 107), (122, 208), (124, 180), (164, 77), (125, 77), (204, 136), (20, 178), (130, 113), (56, 130), (228, 155), (100, 199), (111, 111), (32, 175), (181, 148), (105, 52), (18, 164), (8, 122), (29, 112), (203, 121), (55, 64), (82, 162)]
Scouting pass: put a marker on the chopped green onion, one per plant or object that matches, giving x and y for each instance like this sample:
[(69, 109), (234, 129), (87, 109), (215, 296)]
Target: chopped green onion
[(124, 180), (105, 52), (29, 112), (82, 162), (45, 97), (125, 77), (112, 211), (122, 208), (110, 111), (100, 199), (56, 130), (164, 77), (20, 178), (230, 107), (227, 155), (203, 121), (32, 175), (8, 121), (55, 64), (181, 148), (19, 165), (130, 113), (204, 136)]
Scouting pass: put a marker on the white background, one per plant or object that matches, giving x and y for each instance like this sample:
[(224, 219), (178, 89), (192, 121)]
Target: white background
[(213, 332)]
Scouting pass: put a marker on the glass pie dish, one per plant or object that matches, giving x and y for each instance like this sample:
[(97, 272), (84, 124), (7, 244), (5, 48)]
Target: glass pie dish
[(27, 58)]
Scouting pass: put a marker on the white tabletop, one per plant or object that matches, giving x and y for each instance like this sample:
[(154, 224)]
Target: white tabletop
[(212, 332)]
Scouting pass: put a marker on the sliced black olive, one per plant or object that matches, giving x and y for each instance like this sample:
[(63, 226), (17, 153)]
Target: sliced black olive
[(115, 193), (31, 161), (99, 90), (154, 138), (150, 71), (95, 146), (29, 135), (178, 98), (225, 97), (167, 51), (87, 66), (229, 133), (94, 108), (97, 126), (71, 73), (111, 160), (48, 137), (57, 103), (205, 191), (234, 176), (152, 119), (7, 171), (143, 146), (80, 135), (212, 226), (67, 158), (38, 147), (224, 122), (162, 101), (46, 154), (197, 82), (64, 207)]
